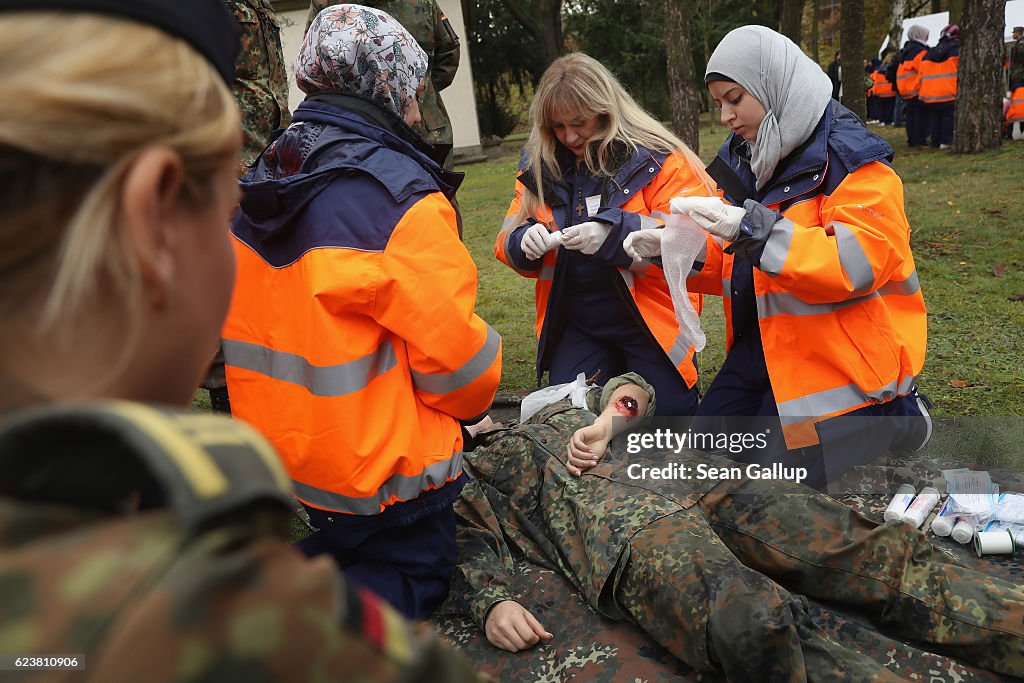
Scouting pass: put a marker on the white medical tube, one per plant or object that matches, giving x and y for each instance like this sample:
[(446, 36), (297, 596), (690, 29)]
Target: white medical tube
[(963, 530), (994, 543), (943, 523), (921, 506), (899, 503)]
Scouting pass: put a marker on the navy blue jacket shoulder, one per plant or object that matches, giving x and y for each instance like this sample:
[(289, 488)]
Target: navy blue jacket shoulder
[(342, 174)]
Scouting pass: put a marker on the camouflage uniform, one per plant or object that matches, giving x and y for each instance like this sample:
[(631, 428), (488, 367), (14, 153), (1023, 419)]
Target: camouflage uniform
[(428, 25), (261, 91), (261, 82), (155, 543), (689, 561)]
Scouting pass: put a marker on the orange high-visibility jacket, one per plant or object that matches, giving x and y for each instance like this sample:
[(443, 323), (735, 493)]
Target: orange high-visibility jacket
[(640, 194), (1016, 111), (882, 87), (352, 341), (842, 319), (908, 76), (938, 73)]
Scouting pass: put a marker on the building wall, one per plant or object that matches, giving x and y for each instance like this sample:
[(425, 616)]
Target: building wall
[(458, 97)]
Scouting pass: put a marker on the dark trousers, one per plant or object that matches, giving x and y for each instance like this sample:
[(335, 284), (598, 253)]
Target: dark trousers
[(406, 559), (885, 108), (940, 122), (872, 107), (618, 347), (898, 118), (917, 123), (740, 400)]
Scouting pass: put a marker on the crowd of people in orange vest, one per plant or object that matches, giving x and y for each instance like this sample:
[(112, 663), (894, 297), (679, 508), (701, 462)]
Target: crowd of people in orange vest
[(916, 87)]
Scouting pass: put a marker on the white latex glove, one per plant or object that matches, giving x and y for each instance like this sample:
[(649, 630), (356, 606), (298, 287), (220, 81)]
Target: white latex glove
[(535, 241), (712, 214), (643, 244), (586, 237)]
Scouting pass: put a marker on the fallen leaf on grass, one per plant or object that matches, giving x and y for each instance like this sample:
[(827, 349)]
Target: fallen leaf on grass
[(999, 271), (959, 384)]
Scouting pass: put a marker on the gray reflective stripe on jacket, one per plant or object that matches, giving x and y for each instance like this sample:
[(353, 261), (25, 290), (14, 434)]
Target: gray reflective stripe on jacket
[(397, 487)]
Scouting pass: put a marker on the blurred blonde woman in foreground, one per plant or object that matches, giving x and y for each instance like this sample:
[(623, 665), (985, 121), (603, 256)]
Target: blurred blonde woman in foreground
[(148, 540)]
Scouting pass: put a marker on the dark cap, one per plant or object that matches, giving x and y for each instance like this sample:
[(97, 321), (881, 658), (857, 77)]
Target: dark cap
[(205, 24)]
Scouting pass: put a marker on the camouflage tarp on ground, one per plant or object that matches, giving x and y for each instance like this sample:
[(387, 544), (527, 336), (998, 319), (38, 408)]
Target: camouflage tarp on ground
[(588, 647)]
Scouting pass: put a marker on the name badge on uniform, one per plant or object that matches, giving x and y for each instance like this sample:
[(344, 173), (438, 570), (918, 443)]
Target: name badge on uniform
[(593, 204)]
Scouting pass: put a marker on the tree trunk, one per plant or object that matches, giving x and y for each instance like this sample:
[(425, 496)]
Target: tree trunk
[(791, 19), (851, 41), (815, 30), (979, 98), (681, 77), (542, 19), (956, 10), (899, 10)]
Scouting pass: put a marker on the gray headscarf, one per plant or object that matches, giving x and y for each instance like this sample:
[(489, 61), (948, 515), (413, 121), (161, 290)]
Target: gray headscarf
[(792, 88), (918, 33)]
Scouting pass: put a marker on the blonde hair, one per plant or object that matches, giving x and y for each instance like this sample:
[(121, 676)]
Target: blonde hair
[(579, 86), (83, 94)]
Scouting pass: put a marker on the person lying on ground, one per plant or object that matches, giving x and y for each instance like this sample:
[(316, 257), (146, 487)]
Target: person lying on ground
[(713, 569)]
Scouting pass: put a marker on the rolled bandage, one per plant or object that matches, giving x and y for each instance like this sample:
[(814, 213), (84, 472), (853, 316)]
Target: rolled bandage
[(943, 523), (921, 506), (899, 503), (994, 543), (963, 530), (552, 240)]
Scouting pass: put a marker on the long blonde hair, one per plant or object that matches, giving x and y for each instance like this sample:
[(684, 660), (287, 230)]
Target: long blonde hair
[(577, 85), (82, 95)]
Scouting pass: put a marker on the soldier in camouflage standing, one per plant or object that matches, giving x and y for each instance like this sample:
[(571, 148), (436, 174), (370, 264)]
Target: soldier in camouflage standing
[(1016, 70), (434, 33), (261, 91), (688, 559)]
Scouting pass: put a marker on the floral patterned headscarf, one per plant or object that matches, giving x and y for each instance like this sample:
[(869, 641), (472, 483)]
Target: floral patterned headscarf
[(363, 51)]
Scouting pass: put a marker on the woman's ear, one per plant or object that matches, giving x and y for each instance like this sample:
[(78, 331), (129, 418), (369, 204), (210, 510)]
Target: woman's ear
[(149, 210)]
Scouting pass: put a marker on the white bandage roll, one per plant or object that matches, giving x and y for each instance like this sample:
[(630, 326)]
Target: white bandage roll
[(921, 506), (963, 530), (943, 523), (994, 543), (899, 503)]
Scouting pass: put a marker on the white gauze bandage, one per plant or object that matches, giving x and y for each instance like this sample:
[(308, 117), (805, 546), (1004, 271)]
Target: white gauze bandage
[(681, 244)]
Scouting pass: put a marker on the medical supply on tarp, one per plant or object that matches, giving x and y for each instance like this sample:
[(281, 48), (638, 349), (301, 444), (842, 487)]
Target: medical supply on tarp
[(943, 523), (899, 503), (1016, 530), (963, 530), (972, 492), (576, 392), (682, 242), (1010, 508), (922, 505), (994, 543)]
